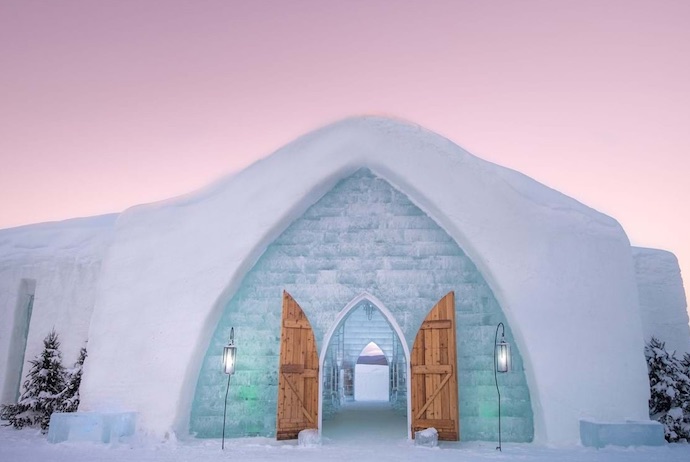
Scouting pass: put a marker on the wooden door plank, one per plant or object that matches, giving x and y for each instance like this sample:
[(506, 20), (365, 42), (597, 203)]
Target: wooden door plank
[(296, 324), (432, 369), (436, 405), (430, 399), (298, 395)]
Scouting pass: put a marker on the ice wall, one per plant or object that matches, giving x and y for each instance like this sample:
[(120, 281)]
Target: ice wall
[(662, 298), (362, 236), (51, 270)]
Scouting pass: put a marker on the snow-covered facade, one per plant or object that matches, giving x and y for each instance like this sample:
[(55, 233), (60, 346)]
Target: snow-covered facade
[(48, 278), (365, 211), (662, 299)]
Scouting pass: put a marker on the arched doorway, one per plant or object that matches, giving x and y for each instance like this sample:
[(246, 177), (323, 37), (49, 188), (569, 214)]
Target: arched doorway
[(364, 321), (304, 380)]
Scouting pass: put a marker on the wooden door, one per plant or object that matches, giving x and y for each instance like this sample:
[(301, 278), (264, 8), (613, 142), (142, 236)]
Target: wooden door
[(298, 378), (433, 363)]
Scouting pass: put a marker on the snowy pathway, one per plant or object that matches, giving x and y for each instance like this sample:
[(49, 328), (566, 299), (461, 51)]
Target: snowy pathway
[(366, 422), (342, 443)]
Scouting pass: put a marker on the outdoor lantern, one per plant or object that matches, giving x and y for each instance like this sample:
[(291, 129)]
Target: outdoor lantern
[(229, 358), (501, 364), (230, 354)]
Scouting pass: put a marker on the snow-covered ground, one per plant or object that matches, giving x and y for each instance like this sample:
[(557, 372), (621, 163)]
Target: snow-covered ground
[(31, 446), (360, 432)]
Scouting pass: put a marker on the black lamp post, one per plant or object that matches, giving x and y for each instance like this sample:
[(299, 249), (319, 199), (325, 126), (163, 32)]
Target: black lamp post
[(501, 364), (229, 358)]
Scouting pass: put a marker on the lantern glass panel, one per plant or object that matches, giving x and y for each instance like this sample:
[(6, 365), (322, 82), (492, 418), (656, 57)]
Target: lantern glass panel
[(229, 356), (503, 361)]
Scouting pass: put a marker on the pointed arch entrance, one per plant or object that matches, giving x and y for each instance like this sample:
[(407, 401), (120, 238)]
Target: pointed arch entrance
[(432, 400), (339, 378)]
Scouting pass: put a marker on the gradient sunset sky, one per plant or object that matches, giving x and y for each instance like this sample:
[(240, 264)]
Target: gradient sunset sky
[(109, 104)]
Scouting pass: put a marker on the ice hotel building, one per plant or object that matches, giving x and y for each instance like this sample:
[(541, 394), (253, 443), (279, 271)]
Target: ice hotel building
[(368, 230)]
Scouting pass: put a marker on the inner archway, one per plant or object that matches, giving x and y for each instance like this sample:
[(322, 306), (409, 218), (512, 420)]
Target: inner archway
[(364, 331)]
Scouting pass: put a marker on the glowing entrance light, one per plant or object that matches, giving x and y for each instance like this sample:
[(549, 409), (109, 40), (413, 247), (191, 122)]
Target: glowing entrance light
[(503, 356), (229, 359), (501, 364)]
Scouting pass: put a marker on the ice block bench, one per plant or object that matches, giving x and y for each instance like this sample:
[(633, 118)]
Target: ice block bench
[(101, 427), (629, 433)]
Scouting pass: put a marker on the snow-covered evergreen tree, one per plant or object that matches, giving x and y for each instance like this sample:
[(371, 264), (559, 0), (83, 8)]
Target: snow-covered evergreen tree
[(669, 379), (69, 398), (684, 395), (42, 388)]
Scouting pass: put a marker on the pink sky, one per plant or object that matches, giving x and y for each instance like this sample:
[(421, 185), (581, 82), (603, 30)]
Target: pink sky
[(108, 104)]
